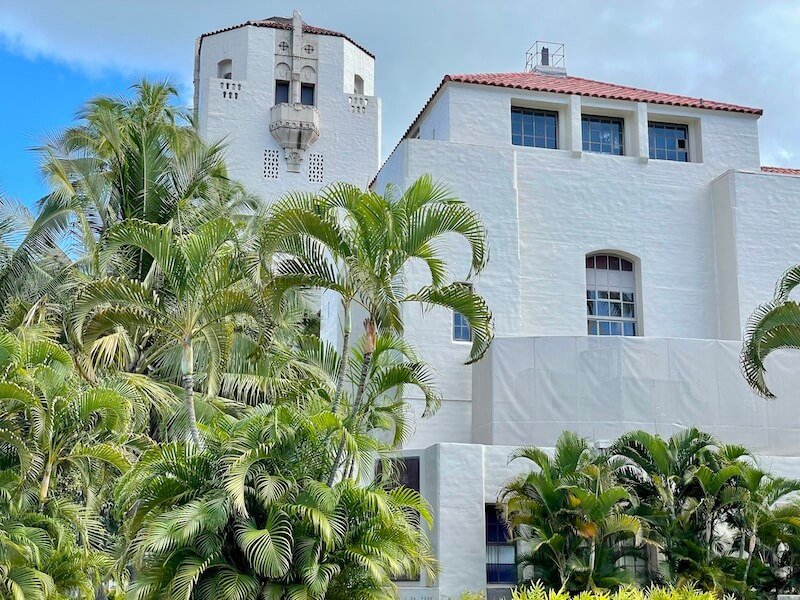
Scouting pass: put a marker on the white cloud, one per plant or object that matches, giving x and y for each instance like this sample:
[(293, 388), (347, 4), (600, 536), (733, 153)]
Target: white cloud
[(737, 51)]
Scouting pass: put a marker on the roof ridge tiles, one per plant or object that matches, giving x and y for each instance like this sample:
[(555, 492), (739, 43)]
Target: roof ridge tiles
[(570, 84)]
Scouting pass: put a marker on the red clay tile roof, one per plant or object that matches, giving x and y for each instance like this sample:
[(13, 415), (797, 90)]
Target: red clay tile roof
[(780, 170), (596, 89), (286, 23)]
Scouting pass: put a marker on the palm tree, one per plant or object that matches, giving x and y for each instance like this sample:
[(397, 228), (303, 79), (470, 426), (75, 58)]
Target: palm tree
[(572, 514), (188, 319), (772, 326), (358, 246), (31, 260), (688, 487), (248, 517), (61, 440), (55, 423), (660, 470), (137, 158), (769, 521)]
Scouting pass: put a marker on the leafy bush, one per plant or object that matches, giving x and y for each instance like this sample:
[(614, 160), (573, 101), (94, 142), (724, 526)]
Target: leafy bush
[(467, 595), (716, 519), (540, 592)]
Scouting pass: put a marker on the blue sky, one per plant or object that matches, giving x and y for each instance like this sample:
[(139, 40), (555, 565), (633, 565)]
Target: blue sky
[(56, 55), (44, 97)]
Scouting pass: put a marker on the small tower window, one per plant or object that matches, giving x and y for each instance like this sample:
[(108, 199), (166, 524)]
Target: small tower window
[(307, 94), (225, 69), (281, 92), (358, 85)]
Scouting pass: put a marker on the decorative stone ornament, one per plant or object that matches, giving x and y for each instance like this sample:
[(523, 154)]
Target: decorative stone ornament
[(295, 127)]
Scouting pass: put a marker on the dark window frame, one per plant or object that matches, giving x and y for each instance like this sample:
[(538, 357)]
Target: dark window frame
[(538, 139), (587, 143), (281, 98), (456, 325), (304, 88), (665, 152), (496, 535)]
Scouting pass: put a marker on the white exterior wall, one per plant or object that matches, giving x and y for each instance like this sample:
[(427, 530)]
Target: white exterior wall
[(759, 231), (601, 387), (357, 62), (435, 124), (349, 141), (481, 115), (546, 209)]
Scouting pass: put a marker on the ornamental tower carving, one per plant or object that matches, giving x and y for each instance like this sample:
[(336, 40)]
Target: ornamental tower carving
[(294, 122)]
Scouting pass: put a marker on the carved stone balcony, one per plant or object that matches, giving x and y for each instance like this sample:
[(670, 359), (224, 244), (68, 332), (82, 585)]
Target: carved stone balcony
[(295, 127)]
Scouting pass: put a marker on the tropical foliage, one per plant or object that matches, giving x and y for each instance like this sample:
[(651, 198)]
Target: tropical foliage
[(249, 517), (172, 424), (773, 326), (689, 508), (539, 592), (575, 516), (358, 246)]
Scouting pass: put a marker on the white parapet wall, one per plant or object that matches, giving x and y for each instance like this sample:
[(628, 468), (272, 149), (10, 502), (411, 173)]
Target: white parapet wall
[(528, 390)]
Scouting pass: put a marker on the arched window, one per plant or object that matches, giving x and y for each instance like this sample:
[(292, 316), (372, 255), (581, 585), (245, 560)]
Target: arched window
[(225, 69), (611, 296), (358, 85)]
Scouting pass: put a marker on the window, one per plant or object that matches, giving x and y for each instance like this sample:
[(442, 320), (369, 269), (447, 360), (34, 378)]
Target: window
[(501, 552), (358, 84), (602, 134), (535, 128), (635, 560), (225, 69), (404, 473), (461, 329), (307, 94), (610, 295), (669, 141), (281, 92)]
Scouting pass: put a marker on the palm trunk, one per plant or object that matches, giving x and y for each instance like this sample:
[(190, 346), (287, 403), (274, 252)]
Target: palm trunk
[(709, 534), (343, 357), (362, 384), (750, 550), (187, 366), (44, 488), (350, 469), (562, 573), (369, 348), (592, 555)]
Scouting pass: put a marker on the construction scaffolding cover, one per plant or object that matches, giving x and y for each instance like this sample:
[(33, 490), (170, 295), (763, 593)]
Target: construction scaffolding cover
[(528, 390)]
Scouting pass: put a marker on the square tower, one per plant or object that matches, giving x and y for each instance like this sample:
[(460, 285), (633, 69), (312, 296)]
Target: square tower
[(294, 103)]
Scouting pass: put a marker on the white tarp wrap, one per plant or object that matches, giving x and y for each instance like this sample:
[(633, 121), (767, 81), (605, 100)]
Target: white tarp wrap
[(528, 390)]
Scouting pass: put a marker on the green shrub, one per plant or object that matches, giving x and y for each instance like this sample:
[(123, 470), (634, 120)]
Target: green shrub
[(467, 595), (540, 592)]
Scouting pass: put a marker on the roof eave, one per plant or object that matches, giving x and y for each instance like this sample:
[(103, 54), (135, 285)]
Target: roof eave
[(273, 25)]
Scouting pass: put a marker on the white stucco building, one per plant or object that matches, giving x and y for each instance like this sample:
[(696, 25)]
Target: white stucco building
[(631, 232)]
